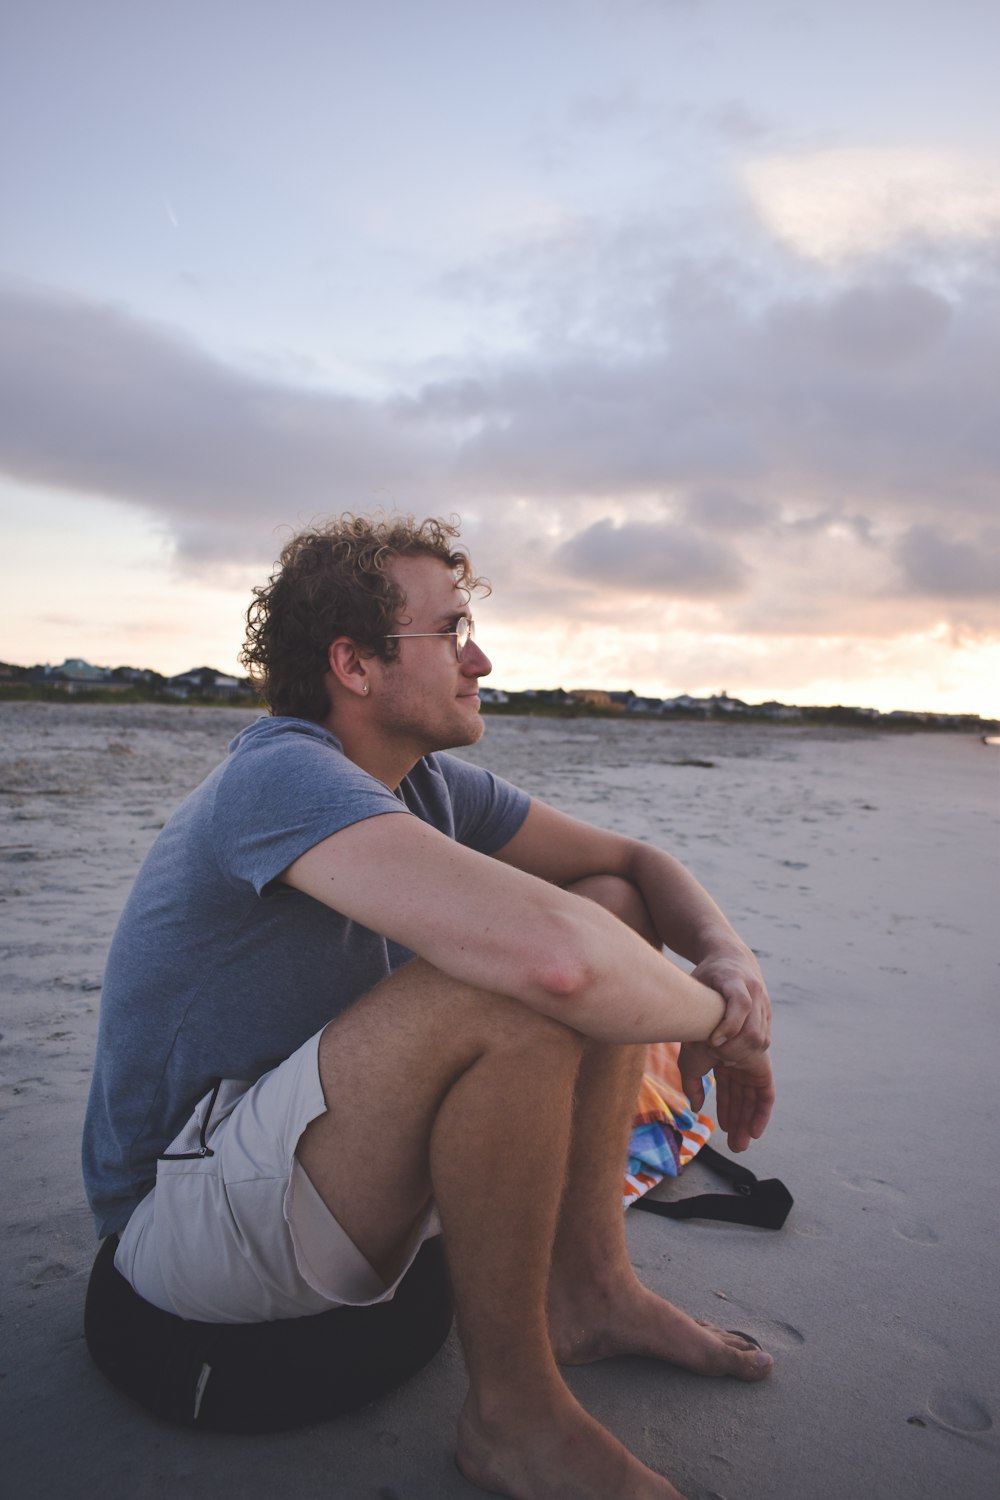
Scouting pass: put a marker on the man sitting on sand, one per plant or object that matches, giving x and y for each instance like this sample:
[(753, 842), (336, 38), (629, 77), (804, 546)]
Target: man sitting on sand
[(340, 914)]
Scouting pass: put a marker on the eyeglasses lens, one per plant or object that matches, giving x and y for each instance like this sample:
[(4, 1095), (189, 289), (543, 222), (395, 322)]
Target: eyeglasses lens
[(465, 632)]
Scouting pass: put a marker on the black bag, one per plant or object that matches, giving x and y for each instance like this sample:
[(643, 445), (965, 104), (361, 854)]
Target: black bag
[(764, 1204), (265, 1377)]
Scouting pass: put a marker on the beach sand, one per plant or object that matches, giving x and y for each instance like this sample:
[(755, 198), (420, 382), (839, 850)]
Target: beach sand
[(861, 866)]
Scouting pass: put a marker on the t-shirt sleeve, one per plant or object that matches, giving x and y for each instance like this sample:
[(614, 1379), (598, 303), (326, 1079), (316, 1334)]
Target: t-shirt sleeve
[(487, 810), (282, 797)]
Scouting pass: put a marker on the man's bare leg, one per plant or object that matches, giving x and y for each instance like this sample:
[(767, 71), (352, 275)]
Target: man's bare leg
[(597, 1305), (485, 1107)]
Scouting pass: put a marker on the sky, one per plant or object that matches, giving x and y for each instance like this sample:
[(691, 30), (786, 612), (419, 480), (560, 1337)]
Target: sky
[(690, 309)]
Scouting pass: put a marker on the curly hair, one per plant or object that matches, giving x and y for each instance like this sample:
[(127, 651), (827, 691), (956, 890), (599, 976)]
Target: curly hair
[(331, 581)]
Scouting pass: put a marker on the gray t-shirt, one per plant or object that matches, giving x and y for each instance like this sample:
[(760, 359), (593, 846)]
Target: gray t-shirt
[(218, 970)]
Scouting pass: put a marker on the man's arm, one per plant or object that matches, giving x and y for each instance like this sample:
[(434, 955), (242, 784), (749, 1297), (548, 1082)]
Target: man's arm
[(502, 929), (561, 849), (516, 932)]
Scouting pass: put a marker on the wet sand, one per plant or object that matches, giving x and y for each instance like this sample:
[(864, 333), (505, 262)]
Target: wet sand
[(861, 866)]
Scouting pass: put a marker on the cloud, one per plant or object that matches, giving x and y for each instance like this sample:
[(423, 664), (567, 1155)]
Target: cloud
[(95, 400), (726, 511), (773, 450), (871, 326), (651, 558), (850, 201), (875, 397), (940, 565)]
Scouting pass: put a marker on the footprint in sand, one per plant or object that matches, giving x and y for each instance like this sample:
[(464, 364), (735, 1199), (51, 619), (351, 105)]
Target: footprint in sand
[(923, 1342), (810, 1229), (54, 1271), (920, 1234), (863, 1184), (773, 1333), (958, 1411)]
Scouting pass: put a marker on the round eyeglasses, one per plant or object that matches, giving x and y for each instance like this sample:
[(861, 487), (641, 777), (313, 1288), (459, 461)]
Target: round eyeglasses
[(464, 632)]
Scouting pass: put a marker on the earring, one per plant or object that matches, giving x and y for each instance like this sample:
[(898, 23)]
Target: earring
[(366, 688)]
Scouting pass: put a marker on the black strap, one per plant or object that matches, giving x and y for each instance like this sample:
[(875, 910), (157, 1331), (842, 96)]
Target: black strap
[(763, 1204)]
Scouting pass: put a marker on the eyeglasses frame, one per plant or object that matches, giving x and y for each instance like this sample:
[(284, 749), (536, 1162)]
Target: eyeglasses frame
[(469, 633)]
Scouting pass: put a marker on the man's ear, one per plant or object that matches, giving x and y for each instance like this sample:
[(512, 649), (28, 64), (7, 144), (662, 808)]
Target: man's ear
[(348, 667)]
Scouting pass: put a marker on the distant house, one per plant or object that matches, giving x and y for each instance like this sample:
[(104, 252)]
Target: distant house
[(596, 698), (685, 704), (83, 671), (723, 704), (205, 682), (493, 695), (905, 716), (774, 710), (557, 696), (74, 676), (137, 676)]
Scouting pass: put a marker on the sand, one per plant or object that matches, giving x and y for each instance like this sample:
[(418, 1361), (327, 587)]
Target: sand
[(861, 866)]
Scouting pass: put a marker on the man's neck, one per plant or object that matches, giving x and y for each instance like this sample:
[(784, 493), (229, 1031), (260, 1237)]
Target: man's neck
[(387, 762)]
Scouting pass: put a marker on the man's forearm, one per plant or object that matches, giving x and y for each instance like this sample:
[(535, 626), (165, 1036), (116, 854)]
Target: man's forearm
[(690, 923), (686, 918), (604, 980)]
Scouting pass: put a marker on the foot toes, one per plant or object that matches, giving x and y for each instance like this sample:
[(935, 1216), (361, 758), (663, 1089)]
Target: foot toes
[(748, 1339), (742, 1355)]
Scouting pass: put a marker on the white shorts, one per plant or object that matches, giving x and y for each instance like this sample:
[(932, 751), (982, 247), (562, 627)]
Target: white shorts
[(241, 1235)]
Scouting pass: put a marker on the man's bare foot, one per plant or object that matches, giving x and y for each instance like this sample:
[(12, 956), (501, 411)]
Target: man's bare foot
[(553, 1451), (627, 1318)]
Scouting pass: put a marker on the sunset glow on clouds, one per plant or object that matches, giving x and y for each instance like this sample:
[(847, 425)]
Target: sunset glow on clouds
[(707, 367), (848, 202)]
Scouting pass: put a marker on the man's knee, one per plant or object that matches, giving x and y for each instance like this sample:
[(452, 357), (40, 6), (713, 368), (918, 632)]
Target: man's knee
[(622, 899), (503, 1025), (420, 1010)]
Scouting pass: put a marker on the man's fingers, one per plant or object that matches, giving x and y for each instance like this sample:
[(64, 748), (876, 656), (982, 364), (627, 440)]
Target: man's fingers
[(739, 1133), (695, 1090), (738, 1008), (722, 1097), (761, 1116), (748, 1005), (744, 1103)]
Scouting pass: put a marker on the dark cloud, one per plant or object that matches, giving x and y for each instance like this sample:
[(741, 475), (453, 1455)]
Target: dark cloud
[(867, 327), (651, 557), (940, 565), (93, 400), (727, 511), (737, 428), (692, 373)]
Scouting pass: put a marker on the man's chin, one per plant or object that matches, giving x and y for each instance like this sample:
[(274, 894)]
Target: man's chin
[(468, 734)]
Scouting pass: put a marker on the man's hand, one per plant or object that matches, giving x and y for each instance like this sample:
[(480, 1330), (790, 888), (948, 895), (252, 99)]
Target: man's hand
[(736, 1050), (744, 1091), (737, 978)]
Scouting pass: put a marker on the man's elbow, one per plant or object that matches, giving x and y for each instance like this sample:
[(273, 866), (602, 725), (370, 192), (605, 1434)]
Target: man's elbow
[(562, 979), (561, 975)]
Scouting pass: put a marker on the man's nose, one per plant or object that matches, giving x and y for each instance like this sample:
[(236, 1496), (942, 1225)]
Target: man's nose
[(475, 661)]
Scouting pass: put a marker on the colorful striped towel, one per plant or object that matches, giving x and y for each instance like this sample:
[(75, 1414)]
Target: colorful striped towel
[(666, 1131)]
